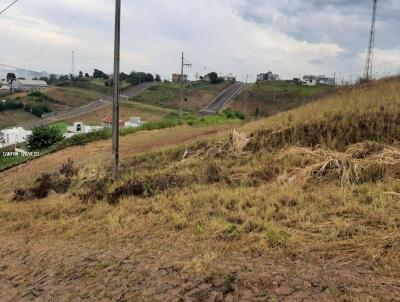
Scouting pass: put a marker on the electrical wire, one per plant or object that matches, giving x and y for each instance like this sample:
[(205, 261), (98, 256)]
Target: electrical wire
[(8, 7), (63, 28)]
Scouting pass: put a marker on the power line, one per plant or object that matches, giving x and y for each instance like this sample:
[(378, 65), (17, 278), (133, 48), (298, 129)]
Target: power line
[(8, 7), (70, 20)]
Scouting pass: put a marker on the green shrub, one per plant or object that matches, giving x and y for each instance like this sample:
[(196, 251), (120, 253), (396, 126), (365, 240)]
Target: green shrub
[(11, 105), (44, 137)]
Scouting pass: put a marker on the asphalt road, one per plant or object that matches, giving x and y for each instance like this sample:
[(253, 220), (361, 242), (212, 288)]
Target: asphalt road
[(130, 92), (224, 98)]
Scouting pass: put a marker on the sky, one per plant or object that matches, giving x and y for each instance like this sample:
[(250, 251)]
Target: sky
[(239, 37)]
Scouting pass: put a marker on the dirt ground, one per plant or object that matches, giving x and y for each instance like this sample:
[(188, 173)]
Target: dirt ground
[(100, 152), (149, 264)]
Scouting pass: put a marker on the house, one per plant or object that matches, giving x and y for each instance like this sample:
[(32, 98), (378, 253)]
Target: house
[(28, 85), (309, 80), (108, 122), (13, 136), (323, 80), (176, 78), (133, 122), (269, 76), (4, 85), (230, 78), (80, 128)]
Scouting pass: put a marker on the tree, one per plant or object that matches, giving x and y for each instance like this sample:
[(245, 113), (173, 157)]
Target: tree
[(87, 75), (80, 74), (98, 74), (158, 78), (214, 79), (149, 77), (123, 76), (11, 77), (44, 137)]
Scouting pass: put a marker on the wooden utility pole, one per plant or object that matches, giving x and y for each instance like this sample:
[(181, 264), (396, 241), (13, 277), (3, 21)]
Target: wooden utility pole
[(181, 109), (115, 127), (245, 99)]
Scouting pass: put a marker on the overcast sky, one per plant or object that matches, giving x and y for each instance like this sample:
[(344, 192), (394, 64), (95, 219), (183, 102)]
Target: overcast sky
[(289, 37)]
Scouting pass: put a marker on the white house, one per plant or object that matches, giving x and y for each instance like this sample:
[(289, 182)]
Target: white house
[(133, 122), (323, 80), (28, 85), (269, 76), (309, 80), (4, 85), (13, 136), (80, 128)]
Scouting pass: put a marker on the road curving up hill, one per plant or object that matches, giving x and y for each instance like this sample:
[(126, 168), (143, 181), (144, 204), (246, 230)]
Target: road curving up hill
[(224, 98)]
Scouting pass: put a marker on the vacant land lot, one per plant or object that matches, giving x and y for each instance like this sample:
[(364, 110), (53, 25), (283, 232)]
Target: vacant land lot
[(127, 109), (268, 98), (196, 95), (15, 117), (301, 206), (73, 97)]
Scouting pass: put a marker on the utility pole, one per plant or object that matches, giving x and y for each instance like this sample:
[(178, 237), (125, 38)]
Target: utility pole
[(371, 44), (182, 66), (73, 63), (245, 99), (115, 128)]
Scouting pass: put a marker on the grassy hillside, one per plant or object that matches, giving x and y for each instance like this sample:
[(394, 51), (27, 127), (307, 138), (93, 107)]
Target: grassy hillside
[(63, 99), (301, 205), (268, 98), (197, 95)]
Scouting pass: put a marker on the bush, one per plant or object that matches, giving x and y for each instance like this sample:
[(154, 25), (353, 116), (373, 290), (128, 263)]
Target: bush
[(44, 137), (11, 105), (37, 110)]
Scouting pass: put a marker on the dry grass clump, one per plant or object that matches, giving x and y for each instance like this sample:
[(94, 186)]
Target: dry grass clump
[(360, 163), (57, 182), (334, 131)]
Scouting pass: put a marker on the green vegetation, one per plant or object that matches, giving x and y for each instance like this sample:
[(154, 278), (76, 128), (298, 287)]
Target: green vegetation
[(270, 97), (44, 137), (37, 109), (164, 92), (11, 105)]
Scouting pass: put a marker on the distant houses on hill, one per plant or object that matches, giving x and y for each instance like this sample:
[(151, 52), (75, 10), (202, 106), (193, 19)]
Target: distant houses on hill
[(269, 76), (311, 80), (176, 78)]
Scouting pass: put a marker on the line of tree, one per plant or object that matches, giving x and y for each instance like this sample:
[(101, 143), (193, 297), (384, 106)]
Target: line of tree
[(133, 78)]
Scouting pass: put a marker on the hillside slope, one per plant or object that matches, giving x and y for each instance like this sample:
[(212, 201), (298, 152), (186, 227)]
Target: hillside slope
[(268, 98), (301, 206), (196, 95)]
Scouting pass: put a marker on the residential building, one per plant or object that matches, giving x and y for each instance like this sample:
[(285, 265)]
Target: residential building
[(269, 76), (108, 122), (323, 80), (176, 78), (80, 128), (13, 136), (309, 80), (133, 122), (230, 78), (28, 85)]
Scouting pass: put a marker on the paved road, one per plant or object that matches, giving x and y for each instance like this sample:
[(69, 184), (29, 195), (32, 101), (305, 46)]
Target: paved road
[(69, 114), (135, 90), (224, 98), (130, 92)]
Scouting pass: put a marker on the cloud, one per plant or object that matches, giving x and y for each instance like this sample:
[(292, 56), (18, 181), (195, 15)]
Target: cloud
[(290, 37)]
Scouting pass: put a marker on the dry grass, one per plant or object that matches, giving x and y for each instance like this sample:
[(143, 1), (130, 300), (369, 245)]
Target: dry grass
[(127, 110), (252, 219)]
